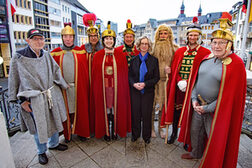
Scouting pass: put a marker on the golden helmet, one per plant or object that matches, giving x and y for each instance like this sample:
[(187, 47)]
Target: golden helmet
[(108, 31), (129, 29), (195, 27), (67, 29), (225, 24), (89, 21)]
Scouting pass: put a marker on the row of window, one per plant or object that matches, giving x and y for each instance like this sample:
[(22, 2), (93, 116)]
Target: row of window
[(20, 35), (55, 23), (54, 11), (22, 19), (66, 20), (55, 35), (40, 7), (207, 27), (41, 20), (23, 4), (65, 9)]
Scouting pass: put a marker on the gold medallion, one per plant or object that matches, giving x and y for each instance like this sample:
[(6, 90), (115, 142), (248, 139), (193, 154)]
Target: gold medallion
[(226, 61), (109, 70), (185, 53), (194, 52)]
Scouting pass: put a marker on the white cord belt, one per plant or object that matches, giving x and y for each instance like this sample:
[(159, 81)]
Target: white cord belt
[(49, 96)]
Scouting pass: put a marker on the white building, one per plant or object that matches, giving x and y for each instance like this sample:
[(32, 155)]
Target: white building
[(55, 22), (23, 20)]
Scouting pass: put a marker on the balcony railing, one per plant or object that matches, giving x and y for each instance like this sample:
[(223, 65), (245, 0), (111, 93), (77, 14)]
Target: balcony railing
[(11, 112)]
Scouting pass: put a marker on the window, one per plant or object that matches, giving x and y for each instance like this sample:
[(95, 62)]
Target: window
[(22, 19), (25, 3), (63, 8), (15, 35), (55, 35), (29, 5), (63, 20), (26, 20), (67, 10), (17, 19), (56, 1), (30, 20), (13, 18)]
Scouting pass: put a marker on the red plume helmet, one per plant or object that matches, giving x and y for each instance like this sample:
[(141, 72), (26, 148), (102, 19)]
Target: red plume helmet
[(89, 19), (195, 20), (68, 24), (129, 28)]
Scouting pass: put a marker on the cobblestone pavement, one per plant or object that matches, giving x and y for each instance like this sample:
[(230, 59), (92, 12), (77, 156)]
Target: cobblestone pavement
[(96, 153)]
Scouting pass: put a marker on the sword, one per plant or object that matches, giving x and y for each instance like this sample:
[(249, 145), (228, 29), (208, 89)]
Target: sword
[(202, 101)]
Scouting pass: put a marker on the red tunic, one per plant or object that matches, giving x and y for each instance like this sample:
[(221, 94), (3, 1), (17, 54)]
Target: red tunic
[(222, 147), (81, 116), (122, 111), (174, 77)]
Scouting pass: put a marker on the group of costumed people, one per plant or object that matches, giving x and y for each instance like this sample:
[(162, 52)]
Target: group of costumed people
[(109, 91)]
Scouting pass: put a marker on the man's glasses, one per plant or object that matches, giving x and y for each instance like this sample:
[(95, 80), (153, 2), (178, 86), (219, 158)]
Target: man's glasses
[(221, 43), (38, 39)]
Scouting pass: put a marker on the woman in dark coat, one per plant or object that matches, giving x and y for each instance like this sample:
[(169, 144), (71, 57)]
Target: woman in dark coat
[(143, 75)]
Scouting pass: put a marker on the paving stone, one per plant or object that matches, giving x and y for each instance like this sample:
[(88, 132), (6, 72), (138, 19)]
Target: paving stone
[(120, 145), (158, 145), (92, 146), (35, 159), (175, 156), (70, 157), (245, 156), (23, 148), (159, 161), (52, 163), (88, 163), (108, 157)]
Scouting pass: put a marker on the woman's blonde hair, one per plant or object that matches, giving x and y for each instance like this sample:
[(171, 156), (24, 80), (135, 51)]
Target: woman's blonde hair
[(138, 43)]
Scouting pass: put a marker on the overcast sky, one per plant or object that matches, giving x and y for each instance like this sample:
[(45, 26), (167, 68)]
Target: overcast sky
[(139, 11)]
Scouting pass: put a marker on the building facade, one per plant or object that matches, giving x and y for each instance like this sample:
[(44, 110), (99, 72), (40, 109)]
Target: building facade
[(238, 30)]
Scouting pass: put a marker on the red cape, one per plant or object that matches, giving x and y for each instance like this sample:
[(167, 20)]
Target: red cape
[(222, 147), (122, 111), (167, 116), (81, 119)]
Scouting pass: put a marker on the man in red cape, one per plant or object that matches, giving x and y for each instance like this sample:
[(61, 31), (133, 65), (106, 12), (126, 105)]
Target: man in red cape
[(221, 149), (73, 64), (128, 49), (185, 59), (110, 90)]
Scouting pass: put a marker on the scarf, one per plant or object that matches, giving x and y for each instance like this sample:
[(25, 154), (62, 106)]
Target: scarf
[(143, 68)]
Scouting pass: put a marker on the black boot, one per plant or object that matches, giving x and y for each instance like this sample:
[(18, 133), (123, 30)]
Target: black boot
[(174, 133), (172, 138), (107, 138), (113, 135)]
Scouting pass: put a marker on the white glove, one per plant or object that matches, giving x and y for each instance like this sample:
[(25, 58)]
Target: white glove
[(182, 85)]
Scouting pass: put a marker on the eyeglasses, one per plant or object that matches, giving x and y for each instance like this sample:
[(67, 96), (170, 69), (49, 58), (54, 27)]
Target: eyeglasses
[(221, 43), (38, 39), (144, 43)]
